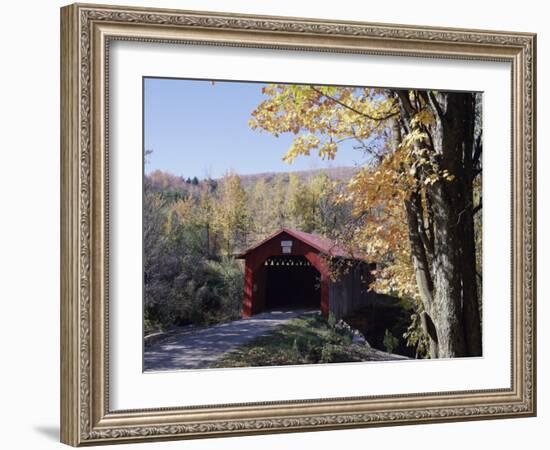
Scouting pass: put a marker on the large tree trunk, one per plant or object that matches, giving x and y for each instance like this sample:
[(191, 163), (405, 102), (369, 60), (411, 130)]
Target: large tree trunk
[(447, 279), (444, 258), (421, 266), (453, 132)]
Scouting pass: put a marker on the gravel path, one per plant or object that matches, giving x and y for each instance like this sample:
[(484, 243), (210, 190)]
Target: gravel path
[(198, 348)]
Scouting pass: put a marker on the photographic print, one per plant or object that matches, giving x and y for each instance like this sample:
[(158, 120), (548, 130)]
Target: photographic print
[(289, 224)]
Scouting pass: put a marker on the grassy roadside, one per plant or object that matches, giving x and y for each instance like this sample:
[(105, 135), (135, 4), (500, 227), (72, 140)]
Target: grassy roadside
[(308, 339)]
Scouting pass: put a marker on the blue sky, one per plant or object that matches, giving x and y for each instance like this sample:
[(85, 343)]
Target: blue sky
[(196, 128)]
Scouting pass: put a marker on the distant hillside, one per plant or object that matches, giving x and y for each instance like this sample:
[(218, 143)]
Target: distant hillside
[(166, 182), (343, 174)]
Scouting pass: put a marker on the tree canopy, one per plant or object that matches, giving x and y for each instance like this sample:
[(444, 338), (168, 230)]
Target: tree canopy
[(413, 201)]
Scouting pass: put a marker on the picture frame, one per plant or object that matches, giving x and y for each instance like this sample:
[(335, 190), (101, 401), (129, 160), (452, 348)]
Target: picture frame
[(87, 32)]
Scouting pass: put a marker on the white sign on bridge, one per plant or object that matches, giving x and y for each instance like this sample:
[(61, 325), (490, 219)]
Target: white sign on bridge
[(286, 246)]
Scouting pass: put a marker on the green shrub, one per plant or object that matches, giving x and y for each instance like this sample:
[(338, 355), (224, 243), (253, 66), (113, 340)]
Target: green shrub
[(390, 341), (333, 353), (307, 348)]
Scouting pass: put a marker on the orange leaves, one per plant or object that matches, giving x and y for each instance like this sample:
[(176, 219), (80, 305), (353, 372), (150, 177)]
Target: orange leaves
[(377, 194)]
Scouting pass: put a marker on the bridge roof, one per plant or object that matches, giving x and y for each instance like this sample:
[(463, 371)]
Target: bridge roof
[(320, 243)]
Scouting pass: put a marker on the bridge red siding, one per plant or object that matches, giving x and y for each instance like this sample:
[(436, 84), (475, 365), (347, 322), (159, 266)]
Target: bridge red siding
[(254, 280)]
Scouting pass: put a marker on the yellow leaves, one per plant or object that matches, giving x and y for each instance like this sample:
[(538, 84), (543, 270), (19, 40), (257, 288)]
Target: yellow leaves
[(438, 175), (414, 137), (328, 112), (431, 179), (269, 89), (328, 150), (446, 175), (421, 158), (377, 195), (253, 123), (424, 117), (184, 208), (383, 238), (320, 117), (301, 145)]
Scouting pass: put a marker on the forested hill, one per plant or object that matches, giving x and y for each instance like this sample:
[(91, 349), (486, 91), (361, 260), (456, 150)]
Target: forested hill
[(235, 211), (167, 183), (343, 174), (192, 229)]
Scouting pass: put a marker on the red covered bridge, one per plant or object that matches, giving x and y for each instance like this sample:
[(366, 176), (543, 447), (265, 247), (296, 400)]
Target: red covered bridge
[(292, 269)]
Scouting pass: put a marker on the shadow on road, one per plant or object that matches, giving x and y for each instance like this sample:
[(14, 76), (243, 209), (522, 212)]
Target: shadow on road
[(198, 348)]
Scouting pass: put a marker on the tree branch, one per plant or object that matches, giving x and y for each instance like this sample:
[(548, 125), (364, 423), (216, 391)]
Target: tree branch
[(418, 250), (405, 101), (351, 108), (435, 105)]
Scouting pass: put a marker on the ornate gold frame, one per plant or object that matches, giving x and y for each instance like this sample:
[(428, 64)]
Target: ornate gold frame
[(86, 31)]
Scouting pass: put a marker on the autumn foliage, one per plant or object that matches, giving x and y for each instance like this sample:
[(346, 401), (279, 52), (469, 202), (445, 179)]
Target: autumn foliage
[(413, 201)]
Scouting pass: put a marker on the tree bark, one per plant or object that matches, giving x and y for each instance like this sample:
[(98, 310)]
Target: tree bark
[(422, 272), (447, 280), (472, 322), (443, 250), (452, 130)]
